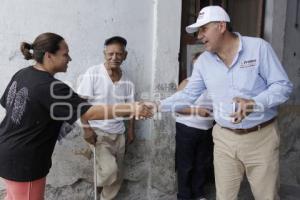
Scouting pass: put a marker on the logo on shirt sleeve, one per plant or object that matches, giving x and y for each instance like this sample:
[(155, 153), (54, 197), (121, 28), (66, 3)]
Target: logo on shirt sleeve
[(248, 63)]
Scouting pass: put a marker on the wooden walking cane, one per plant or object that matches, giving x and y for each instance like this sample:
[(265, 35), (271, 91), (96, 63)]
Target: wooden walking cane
[(95, 173)]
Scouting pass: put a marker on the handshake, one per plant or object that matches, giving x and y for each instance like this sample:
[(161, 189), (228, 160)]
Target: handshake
[(145, 110)]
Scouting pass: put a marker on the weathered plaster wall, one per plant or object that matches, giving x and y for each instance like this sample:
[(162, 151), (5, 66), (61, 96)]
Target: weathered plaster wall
[(290, 115), (280, 31), (275, 19)]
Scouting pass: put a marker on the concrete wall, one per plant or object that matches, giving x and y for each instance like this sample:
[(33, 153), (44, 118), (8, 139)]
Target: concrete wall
[(291, 55), (274, 28), (153, 45), (290, 127), (281, 32)]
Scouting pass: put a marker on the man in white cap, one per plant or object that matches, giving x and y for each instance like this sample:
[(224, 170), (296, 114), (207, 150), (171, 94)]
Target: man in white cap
[(246, 82)]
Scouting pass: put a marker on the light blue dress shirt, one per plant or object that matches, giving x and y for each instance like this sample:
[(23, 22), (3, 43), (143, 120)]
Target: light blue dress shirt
[(255, 73)]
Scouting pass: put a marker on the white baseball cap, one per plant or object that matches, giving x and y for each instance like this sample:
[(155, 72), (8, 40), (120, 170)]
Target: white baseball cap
[(206, 15)]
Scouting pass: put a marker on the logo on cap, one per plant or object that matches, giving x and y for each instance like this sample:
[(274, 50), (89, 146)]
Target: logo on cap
[(201, 15)]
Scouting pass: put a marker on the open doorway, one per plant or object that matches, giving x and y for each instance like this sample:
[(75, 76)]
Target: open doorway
[(247, 17)]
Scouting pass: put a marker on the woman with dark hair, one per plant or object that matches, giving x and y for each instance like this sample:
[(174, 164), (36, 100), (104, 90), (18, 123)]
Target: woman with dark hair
[(38, 108)]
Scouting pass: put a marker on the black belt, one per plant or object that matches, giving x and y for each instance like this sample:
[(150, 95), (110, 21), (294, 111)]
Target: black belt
[(255, 128)]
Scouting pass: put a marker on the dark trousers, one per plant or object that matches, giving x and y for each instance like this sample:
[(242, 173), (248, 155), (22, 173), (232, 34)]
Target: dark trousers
[(194, 156)]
